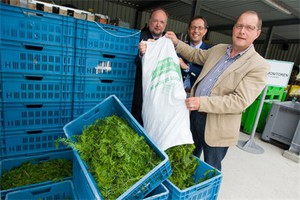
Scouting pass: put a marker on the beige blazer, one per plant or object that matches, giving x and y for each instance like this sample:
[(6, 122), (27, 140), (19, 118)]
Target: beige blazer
[(234, 91)]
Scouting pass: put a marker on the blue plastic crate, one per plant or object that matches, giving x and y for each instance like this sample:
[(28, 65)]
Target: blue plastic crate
[(1, 109), (31, 142), (108, 38), (30, 88), (35, 116), (2, 147), (26, 25), (1, 121), (207, 190), (8, 164), (159, 193), (60, 190), (91, 90), (108, 65), (128, 105), (0, 89), (82, 180), (82, 107), (39, 62), (112, 106)]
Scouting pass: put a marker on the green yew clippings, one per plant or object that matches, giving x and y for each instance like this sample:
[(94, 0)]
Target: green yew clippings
[(28, 173), (184, 166), (116, 155), (208, 175)]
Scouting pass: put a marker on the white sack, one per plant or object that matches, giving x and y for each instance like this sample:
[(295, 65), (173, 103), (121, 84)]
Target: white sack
[(165, 116)]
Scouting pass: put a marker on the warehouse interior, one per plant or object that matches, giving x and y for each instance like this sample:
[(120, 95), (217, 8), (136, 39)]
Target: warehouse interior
[(280, 20), (57, 66)]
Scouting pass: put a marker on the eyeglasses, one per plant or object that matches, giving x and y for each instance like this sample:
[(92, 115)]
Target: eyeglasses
[(197, 27), (247, 27)]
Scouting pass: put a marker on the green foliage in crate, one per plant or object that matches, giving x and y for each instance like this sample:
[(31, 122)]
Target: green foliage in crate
[(30, 173), (116, 155), (184, 166)]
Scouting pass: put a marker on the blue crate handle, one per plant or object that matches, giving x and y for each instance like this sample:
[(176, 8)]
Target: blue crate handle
[(106, 80), (33, 47), (34, 132), (207, 185), (59, 190), (34, 105), (140, 193), (93, 113), (34, 78), (42, 159), (41, 191), (108, 56)]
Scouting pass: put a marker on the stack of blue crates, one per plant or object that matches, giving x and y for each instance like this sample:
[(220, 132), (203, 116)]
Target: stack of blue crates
[(37, 62), (48, 78), (49, 74), (104, 64), (37, 59)]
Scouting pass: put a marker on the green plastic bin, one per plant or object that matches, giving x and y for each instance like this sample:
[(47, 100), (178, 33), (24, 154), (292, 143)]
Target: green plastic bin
[(274, 94)]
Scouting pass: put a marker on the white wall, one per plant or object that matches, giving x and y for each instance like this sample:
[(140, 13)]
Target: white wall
[(276, 52), (217, 38)]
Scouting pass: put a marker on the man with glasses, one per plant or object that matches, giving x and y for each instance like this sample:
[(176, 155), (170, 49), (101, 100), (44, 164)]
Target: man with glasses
[(196, 31), (231, 79)]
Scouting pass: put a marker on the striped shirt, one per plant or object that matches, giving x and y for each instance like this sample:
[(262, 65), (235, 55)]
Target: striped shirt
[(205, 86)]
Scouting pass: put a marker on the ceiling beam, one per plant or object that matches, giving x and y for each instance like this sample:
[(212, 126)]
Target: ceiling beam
[(282, 22), (267, 42), (265, 24), (155, 4), (276, 41), (196, 8), (144, 5), (218, 13)]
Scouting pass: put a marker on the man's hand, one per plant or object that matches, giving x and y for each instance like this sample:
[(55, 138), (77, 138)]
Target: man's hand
[(171, 35), (192, 103), (142, 48), (183, 65)]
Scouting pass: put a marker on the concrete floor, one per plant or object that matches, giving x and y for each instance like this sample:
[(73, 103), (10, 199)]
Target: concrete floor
[(267, 176)]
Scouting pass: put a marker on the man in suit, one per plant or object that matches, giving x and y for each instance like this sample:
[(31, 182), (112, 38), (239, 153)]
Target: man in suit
[(157, 24), (190, 71), (231, 79)]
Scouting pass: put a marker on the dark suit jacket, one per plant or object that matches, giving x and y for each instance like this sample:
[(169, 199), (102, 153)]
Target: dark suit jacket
[(195, 69), (137, 102)]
